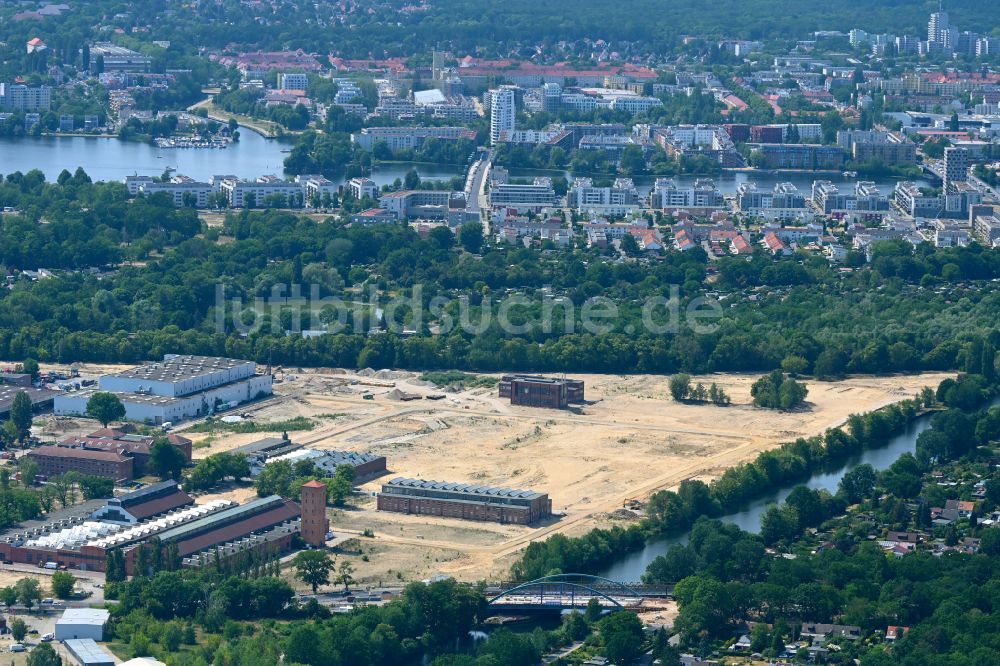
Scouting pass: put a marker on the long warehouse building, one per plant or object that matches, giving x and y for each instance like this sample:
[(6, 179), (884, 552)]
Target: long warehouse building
[(459, 500), (129, 523), (176, 388)]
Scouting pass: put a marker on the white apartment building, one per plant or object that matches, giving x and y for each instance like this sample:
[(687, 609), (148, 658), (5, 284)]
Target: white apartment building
[(785, 202), (403, 138), (183, 191), (22, 98), (621, 198), (535, 196), (635, 103), (703, 194), (314, 186), (293, 81), (363, 187), (503, 112), (252, 194)]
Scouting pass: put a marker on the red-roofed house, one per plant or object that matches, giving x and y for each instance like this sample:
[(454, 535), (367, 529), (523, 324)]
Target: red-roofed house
[(892, 633)]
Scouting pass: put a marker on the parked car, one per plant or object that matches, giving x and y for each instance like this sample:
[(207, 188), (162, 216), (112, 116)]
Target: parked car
[(48, 637)]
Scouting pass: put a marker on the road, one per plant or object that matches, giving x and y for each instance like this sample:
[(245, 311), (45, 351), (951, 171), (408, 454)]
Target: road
[(475, 184), (983, 187)]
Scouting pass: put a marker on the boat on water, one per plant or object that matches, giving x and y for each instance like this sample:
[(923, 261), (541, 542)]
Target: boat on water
[(185, 142), (850, 174)]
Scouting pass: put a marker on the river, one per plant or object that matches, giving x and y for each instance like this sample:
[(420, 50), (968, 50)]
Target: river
[(630, 567), (253, 155)]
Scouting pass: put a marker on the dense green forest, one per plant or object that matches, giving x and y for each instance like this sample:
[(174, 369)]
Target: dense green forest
[(380, 29), (902, 312)]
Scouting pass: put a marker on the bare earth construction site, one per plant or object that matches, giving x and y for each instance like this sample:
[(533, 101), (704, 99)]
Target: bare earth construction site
[(628, 441)]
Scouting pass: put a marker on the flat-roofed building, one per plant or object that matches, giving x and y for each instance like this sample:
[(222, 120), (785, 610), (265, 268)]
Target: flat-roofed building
[(703, 195), (465, 501), (987, 229), (118, 58), (362, 187), (41, 399), (402, 138), (538, 391), (785, 202), (864, 201), (620, 198), (916, 202), (260, 192), (88, 653), (77, 623), (315, 187), (533, 196), (798, 156), (179, 375), (179, 387), (293, 81), (20, 97), (182, 190)]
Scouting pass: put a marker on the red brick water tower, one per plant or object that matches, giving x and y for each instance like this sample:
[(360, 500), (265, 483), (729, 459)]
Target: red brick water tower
[(314, 522)]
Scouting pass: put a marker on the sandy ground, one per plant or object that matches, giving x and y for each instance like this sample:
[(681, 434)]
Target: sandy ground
[(628, 441)]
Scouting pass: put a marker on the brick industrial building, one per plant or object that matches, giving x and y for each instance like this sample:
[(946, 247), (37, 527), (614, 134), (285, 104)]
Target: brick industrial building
[(81, 536), (458, 500), (134, 446), (109, 453), (56, 460), (535, 391)]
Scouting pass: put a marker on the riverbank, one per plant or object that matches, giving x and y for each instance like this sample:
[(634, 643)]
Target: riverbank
[(265, 128)]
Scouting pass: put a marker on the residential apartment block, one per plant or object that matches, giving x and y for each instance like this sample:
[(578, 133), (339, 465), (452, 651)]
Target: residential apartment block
[(703, 195), (886, 147), (404, 138), (620, 198), (864, 201), (24, 98), (523, 197), (799, 156), (785, 202)]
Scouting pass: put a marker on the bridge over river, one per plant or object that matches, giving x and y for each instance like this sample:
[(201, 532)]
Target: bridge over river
[(574, 591)]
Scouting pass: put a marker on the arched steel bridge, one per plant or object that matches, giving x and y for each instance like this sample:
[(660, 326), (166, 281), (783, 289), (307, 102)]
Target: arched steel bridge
[(569, 591)]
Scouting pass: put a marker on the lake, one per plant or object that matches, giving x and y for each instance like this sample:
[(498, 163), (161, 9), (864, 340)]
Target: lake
[(113, 159), (254, 155)]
